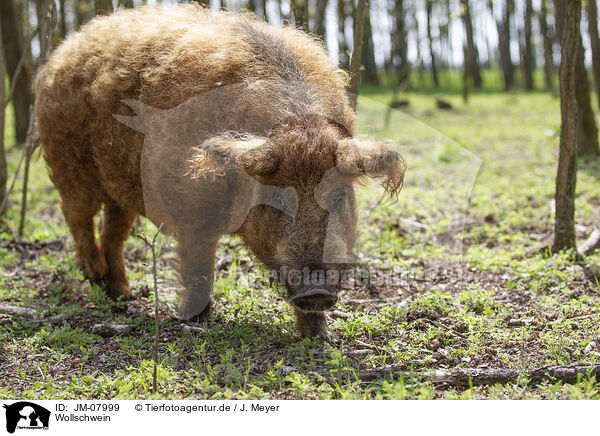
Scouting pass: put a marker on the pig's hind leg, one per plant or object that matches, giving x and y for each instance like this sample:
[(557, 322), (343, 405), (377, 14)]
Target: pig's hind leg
[(116, 225), (79, 211)]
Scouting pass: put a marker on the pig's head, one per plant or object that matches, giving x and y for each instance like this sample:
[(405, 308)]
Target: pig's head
[(308, 238)]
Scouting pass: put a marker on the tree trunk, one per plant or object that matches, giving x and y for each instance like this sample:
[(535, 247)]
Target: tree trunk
[(586, 139), (592, 15), (566, 177), (400, 46), (508, 69), (419, 61), (299, 8), (320, 18), (587, 131), (13, 45), (361, 11), (42, 10), (466, 76), (434, 73), (3, 166), (343, 55), (528, 55), (83, 11), (128, 4), (103, 7), (251, 6), (368, 51), (62, 28), (547, 42), (471, 53)]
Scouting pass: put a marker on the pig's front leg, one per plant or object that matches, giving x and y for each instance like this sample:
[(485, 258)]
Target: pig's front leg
[(314, 324), (197, 265)]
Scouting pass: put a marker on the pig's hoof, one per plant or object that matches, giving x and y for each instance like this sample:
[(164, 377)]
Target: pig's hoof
[(326, 335), (116, 290), (203, 316), (94, 267)]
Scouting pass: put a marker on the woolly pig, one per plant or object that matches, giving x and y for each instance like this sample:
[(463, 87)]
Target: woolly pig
[(211, 123)]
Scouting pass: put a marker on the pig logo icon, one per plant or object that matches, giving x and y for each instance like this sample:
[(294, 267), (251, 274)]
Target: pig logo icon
[(24, 414)]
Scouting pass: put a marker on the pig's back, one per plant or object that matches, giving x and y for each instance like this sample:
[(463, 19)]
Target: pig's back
[(163, 56)]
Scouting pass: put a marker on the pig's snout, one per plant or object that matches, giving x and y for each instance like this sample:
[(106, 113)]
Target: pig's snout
[(314, 298)]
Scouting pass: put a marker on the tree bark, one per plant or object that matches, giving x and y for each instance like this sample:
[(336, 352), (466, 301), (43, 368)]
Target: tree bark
[(400, 46), (587, 130), (359, 28), (528, 55), (368, 52), (566, 177), (586, 139), (547, 43), (13, 47), (128, 4), (504, 41), (434, 72), (3, 165), (592, 15), (299, 7), (343, 55), (84, 10), (103, 7), (471, 53), (466, 76), (320, 16), (62, 28)]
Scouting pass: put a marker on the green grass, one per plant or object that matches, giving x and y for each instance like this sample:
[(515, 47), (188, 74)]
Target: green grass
[(479, 187)]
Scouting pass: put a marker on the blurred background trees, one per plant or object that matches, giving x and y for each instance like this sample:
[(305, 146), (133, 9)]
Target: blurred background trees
[(436, 46), (425, 44)]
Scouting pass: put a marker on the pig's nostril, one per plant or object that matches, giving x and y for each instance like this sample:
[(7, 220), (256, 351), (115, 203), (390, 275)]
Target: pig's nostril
[(314, 299)]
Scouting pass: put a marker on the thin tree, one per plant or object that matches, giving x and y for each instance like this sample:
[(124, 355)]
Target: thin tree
[(547, 43), (62, 26), (13, 49), (400, 47), (592, 16), (300, 10), (528, 53), (3, 166), (152, 245), (587, 130), (361, 11), (47, 21), (504, 42), (103, 7), (566, 177), (368, 51), (320, 15), (84, 10), (471, 51), (343, 49), (434, 72)]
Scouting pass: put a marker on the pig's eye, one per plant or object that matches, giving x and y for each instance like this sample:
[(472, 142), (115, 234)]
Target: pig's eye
[(339, 199), (277, 201)]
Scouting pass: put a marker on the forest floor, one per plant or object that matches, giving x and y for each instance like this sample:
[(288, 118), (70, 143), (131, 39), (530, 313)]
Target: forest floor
[(474, 285)]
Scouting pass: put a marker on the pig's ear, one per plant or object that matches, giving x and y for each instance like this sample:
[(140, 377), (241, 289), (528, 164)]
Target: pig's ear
[(143, 115), (220, 154), (376, 160), (260, 159)]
